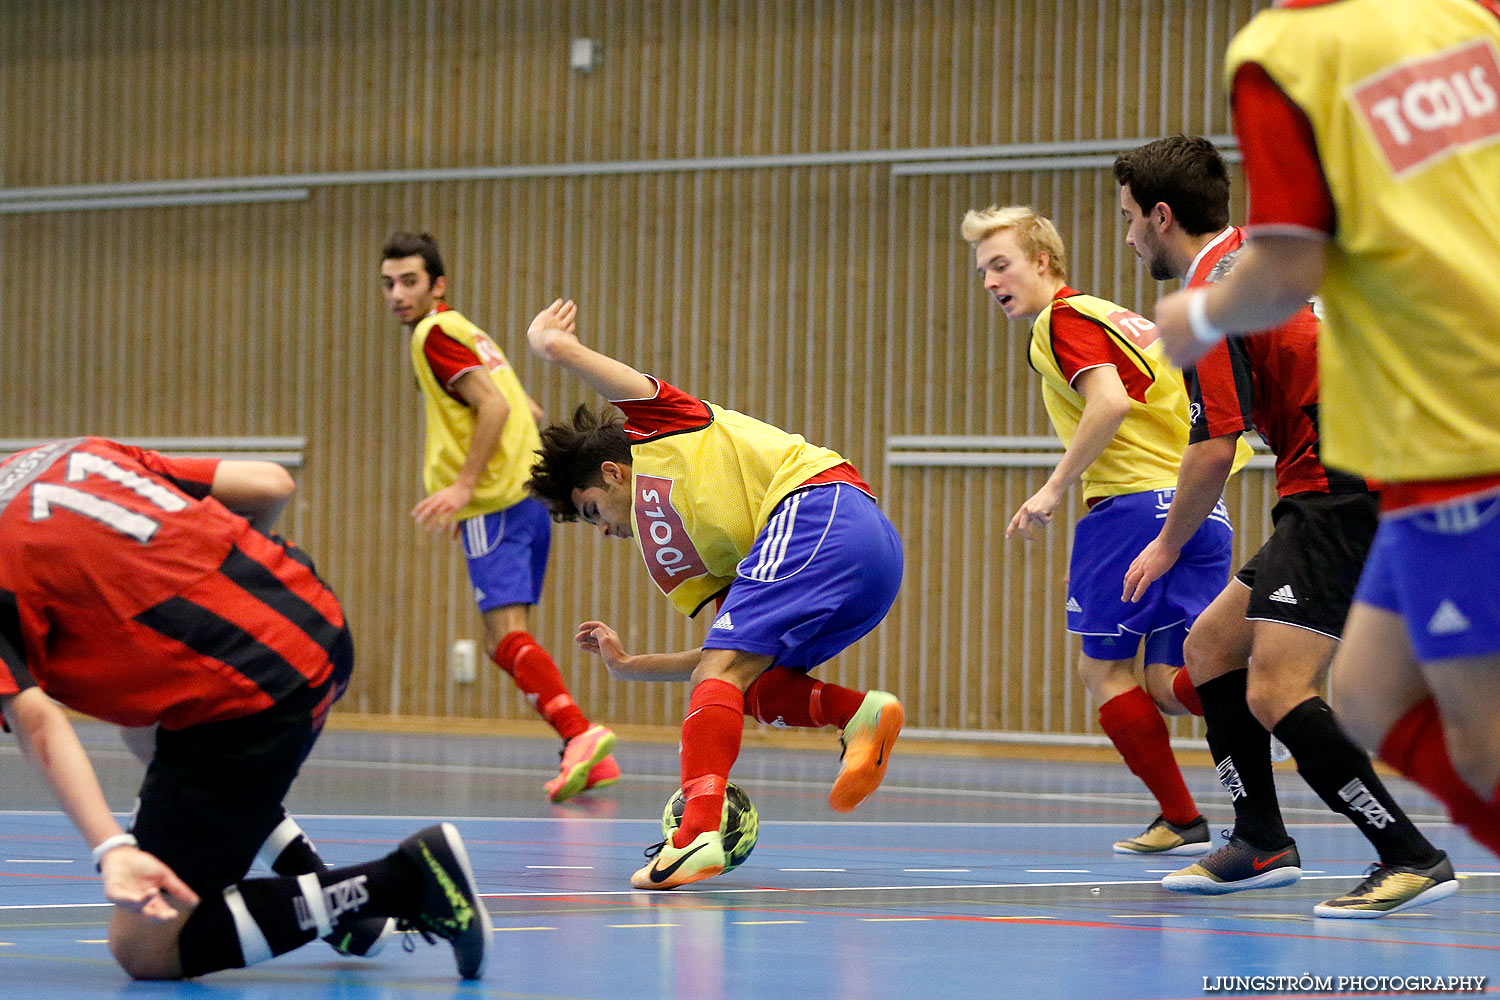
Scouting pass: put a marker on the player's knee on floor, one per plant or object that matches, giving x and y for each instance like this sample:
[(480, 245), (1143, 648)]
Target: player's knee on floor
[(145, 950)]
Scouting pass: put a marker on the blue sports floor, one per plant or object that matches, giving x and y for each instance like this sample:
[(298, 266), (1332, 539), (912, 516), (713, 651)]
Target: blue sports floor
[(962, 877)]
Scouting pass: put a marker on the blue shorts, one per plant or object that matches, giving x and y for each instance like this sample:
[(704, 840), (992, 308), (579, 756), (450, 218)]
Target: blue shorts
[(1106, 542), (823, 572), (1440, 571), (507, 553)]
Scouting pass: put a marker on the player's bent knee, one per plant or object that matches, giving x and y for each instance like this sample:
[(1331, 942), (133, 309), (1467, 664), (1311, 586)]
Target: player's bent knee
[(145, 958), (143, 948)]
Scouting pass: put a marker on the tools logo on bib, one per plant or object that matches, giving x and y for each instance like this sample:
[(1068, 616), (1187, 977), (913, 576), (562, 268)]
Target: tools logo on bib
[(1424, 109), (670, 554)]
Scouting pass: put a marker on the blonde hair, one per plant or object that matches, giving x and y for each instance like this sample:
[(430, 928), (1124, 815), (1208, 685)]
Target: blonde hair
[(1034, 233)]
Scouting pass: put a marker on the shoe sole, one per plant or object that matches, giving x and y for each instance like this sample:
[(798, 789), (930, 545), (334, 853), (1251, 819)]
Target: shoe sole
[(698, 876), (865, 765), (1430, 895), (578, 777), (1181, 850), (471, 888), (1201, 885), (376, 946)]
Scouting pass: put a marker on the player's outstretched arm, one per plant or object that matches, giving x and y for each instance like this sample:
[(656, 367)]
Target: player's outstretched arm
[(133, 879), (552, 336), (1200, 483), (603, 641), (1105, 405), (1273, 278)]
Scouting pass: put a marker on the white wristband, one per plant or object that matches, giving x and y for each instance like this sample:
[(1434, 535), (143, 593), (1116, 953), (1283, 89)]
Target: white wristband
[(1203, 331), (109, 844)]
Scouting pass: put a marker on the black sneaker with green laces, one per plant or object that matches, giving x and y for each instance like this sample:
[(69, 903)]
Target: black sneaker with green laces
[(451, 907), (1392, 888), (1235, 867)]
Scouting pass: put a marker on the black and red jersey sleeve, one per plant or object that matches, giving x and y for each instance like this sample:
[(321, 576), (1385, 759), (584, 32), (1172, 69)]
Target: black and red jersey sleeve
[(448, 358), (670, 411), (1221, 392), (193, 476), (1282, 171), (1080, 343)]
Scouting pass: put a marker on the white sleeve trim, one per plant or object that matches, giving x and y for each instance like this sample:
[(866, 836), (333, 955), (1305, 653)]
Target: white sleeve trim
[(1102, 364), (460, 374), (643, 399)]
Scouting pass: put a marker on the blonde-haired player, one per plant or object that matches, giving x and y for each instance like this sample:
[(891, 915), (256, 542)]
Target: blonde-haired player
[(1121, 411), (1371, 136)]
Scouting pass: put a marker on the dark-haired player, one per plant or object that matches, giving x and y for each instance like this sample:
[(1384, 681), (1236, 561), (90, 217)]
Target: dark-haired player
[(130, 592), (783, 536), (481, 441), (1259, 653)]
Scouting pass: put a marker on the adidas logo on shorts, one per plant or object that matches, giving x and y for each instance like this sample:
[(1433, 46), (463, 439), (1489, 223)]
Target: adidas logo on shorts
[(724, 623), (1447, 619), (1284, 595), (1074, 606)]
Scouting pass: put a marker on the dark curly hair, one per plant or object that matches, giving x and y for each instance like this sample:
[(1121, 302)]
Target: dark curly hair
[(1187, 173), (571, 455), (422, 245)]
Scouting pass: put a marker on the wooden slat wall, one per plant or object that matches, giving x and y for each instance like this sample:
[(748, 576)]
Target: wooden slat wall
[(837, 301)]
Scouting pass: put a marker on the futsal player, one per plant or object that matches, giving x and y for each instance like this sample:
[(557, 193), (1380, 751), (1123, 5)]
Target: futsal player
[(130, 592), (1260, 652), (1371, 136), (783, 537), (1120, 410), (481, 441)]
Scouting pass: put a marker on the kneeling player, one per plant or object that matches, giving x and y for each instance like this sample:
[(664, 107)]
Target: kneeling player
[(130, 592), (785, 535)]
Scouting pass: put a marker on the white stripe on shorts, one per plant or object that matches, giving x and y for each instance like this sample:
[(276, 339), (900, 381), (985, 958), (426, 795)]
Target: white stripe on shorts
[(778, 537)]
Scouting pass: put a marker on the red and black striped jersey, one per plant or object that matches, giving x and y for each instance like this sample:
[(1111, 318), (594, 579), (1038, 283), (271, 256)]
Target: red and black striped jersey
[(128, 593), (1268, 382)]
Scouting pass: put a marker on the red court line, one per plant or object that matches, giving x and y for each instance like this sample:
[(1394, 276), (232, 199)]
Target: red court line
[(89, 878)]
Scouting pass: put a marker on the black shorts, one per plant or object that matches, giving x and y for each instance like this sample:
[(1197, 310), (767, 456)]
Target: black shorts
[(213, 792), (1306, 572)]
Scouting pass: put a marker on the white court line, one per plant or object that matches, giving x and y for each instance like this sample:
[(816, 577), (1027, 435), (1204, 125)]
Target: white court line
[(1060, 871), (499, 929), (938, 870), (766, 890), (764, 923), (567, 868), (645, 925), (38, 861), (812, 869), (946, 886)]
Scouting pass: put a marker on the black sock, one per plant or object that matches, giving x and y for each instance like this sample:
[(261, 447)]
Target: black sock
[(275, 915), (1343, 777), (1242, 754)]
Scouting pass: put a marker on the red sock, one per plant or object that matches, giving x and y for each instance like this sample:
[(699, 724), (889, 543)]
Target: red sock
[(535, 673), (1415, 747), (1182, 688), (710, 743), (782, 697), (1135, 726)]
